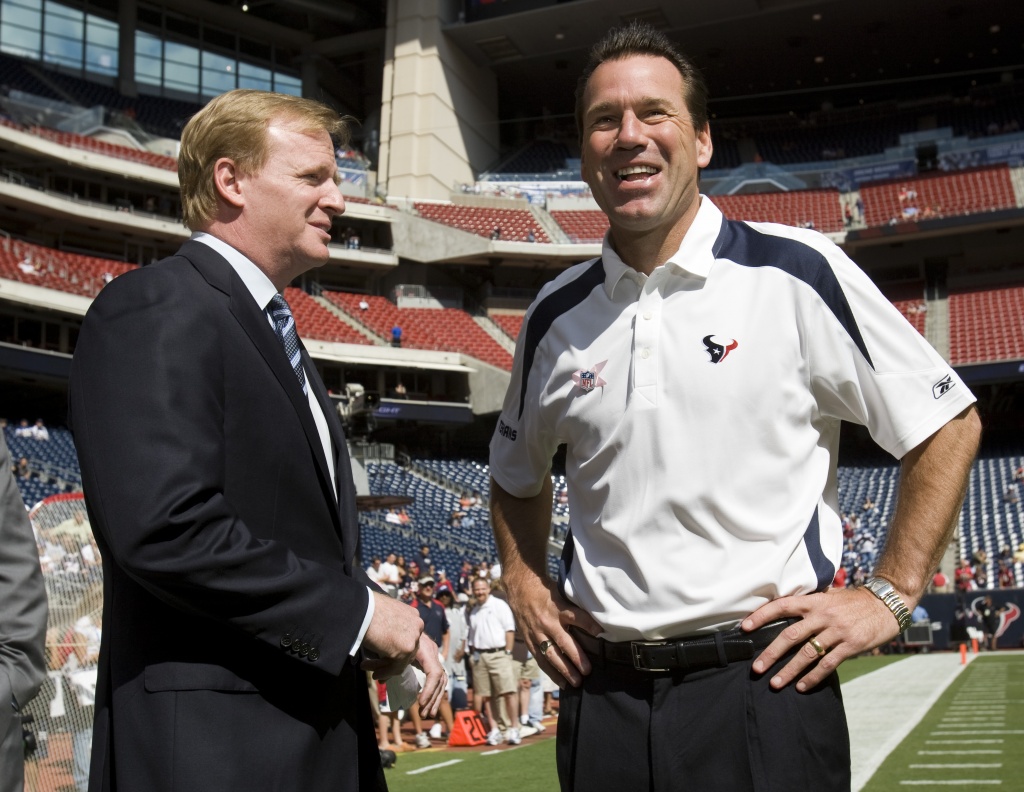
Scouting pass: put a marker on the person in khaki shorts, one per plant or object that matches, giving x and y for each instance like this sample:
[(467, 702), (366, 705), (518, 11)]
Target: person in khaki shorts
[(491, 636)]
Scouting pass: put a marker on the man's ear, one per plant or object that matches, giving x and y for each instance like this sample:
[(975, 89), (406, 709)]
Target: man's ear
[(227, 182)]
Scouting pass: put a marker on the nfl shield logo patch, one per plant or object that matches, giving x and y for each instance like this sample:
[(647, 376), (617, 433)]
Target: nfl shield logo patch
[(588, 379)]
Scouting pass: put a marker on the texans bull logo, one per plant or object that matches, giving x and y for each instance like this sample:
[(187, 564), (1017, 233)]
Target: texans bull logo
[(719, 347)]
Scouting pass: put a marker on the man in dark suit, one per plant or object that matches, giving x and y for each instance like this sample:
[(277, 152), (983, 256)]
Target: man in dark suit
[(236, 615), (22, 623)]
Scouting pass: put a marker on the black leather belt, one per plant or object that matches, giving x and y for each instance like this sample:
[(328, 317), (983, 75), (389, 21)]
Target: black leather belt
[(696, 653), (488, 651)]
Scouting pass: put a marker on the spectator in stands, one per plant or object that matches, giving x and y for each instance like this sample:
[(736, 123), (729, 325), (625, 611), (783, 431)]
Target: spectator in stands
[(388, 576), (625, 629), (23, 470), (1006, 577), (396, 336), (496, 232), (230, 521), (363, 304), (981, 576), (422, 558), (373, 570), (465, 579), (530, 237), (1010, 495), (400, 391), (963, 577), (23, 429), (23, 611), (392, 517), (1018, 473), (435, 625), (939, 582), (491, 636), (39, 430)]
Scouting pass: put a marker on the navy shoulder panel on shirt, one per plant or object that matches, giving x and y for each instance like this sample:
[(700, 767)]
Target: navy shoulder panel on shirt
[(743, 245), (561, 300)]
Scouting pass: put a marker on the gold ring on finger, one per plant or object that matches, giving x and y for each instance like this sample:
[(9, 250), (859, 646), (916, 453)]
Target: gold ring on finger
[(816, 645)]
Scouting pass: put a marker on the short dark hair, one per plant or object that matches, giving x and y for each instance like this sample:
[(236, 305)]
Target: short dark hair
[(640, 38)]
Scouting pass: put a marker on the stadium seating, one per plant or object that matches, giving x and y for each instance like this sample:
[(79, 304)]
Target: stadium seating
[(56, 269), (53, 462), (510, 323), (446, 329), (515, 224), (312, 320), (796, 208), (988, 522), (940, 195), (582, 226), (914, 311), (96, 146), (986, 325), (538, 156)]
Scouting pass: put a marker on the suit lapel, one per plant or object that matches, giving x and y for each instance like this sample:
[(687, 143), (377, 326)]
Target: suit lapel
[(345, 494), (254, 322)]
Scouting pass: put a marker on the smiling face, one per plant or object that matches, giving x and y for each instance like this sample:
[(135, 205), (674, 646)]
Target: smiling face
[(289, 205), (481, 590), (641, 154)]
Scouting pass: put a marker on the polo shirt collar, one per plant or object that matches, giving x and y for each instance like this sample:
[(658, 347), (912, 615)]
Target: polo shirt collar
[(693, 259)]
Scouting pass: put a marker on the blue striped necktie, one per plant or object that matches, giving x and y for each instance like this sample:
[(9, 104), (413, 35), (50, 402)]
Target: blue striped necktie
[(284, 326)]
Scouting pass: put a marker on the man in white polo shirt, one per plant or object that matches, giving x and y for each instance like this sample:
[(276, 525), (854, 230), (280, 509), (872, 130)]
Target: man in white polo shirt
[(492, 633), (698, 372)]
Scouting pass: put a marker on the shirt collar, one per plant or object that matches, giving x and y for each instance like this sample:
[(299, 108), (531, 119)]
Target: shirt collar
[(694, 257), (255, 280)]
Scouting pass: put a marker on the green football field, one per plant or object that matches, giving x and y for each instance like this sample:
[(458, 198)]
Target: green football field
[(972, 738)]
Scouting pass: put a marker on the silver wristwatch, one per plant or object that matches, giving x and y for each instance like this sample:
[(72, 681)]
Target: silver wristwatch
[(887, 593)]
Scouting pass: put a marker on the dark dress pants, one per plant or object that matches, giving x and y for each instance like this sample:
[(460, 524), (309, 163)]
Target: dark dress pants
[(717, 730)]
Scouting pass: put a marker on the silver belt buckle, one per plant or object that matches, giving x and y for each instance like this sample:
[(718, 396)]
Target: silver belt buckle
[(636, 646)]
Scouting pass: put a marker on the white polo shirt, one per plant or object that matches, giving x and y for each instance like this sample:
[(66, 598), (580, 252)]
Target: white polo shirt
[(488, 624), (701, 407)]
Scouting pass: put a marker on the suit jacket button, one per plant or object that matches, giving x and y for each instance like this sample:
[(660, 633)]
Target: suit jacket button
[(304, 649), (286, 640), (314, 655)]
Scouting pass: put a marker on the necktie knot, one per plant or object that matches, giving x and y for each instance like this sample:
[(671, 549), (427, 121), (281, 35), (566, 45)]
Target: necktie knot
[(284, 326)]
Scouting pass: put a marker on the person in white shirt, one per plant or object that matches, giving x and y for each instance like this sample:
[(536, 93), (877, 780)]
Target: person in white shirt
[(698, 373), (492, 632)]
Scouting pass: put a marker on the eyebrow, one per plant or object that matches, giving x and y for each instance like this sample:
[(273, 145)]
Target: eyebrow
[(643, 101)]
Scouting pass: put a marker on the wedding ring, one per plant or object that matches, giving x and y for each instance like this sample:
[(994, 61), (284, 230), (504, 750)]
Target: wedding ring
[(545, 645), (821, 650)]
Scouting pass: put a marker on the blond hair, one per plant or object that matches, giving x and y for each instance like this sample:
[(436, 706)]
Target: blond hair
[(234, 126)]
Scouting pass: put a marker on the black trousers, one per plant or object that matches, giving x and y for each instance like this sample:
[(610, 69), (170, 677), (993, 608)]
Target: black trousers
[(717, 730)]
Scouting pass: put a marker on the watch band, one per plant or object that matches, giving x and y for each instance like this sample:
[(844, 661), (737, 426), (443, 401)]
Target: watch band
[(887, 593)]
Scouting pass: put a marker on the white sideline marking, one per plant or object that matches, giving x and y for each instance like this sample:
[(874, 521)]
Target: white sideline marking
[(961, 753), (979, 731), (993, 765), (997, 741), (949, 782), (433, 767), (884, 706)]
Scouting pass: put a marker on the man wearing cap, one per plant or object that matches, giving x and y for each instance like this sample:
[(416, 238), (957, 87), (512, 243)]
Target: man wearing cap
[(435, 624)]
